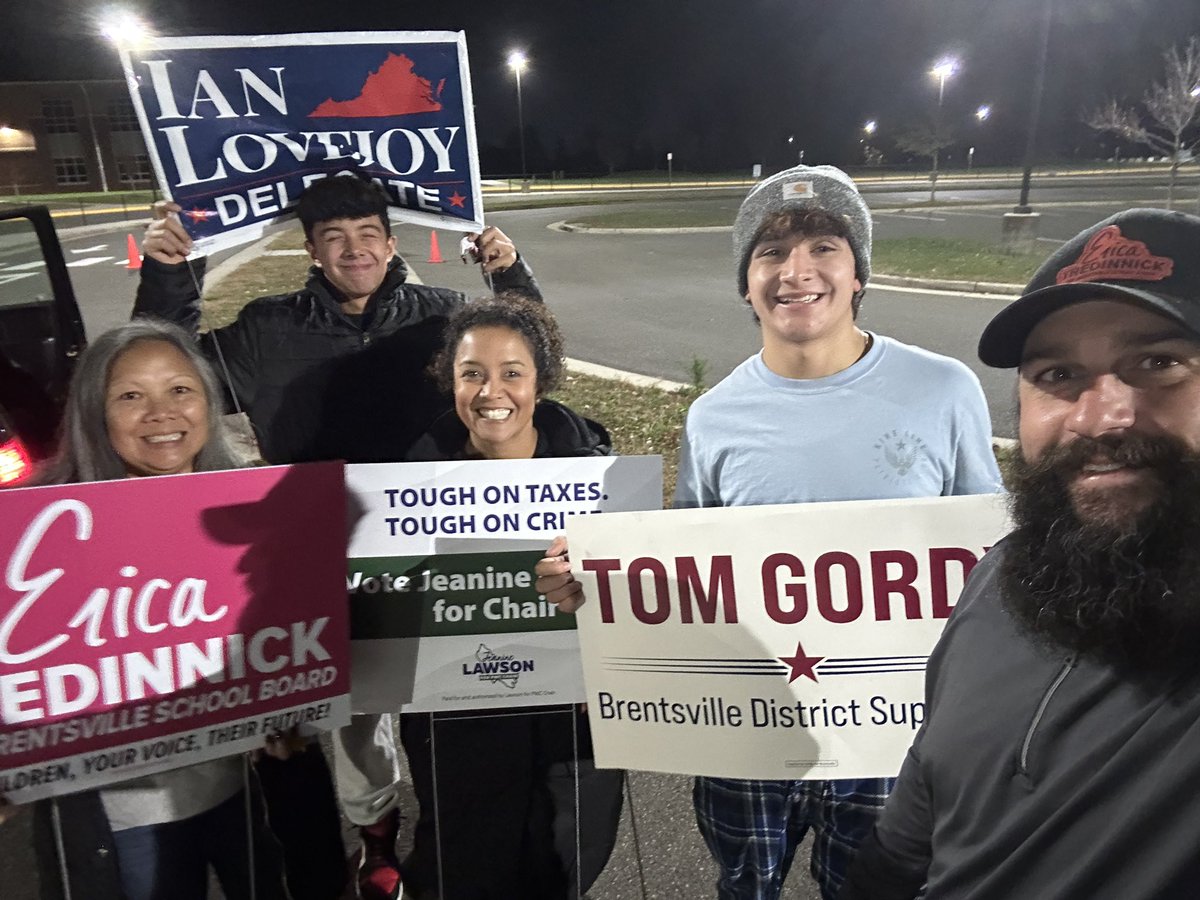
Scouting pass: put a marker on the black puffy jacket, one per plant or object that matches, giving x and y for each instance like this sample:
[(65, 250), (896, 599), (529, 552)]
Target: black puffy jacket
[(561, 432)]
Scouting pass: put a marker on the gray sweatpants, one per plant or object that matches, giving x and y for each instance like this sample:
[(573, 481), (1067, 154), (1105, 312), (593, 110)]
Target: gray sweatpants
[(366, 768)]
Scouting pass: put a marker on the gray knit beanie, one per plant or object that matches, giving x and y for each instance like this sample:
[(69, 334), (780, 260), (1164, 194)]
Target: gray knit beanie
[(813, 187)]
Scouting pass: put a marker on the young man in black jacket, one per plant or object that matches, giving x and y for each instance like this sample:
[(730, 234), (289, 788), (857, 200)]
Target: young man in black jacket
[(1061, 746), (334, 370)]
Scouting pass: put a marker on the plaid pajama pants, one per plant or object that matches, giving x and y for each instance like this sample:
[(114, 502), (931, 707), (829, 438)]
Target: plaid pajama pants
[(752, 829)]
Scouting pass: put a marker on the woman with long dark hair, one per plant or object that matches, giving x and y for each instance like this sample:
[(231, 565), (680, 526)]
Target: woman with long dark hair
[(144, 402)]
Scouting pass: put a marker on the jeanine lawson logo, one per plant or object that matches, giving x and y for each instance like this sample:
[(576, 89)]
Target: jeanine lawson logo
[(496, 668)]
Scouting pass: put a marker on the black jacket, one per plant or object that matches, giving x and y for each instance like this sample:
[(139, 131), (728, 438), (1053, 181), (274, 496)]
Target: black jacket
[(508, 817), (561, 432), (318, 385)]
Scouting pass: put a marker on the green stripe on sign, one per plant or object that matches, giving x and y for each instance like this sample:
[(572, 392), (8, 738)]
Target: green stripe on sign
[(461, 593)]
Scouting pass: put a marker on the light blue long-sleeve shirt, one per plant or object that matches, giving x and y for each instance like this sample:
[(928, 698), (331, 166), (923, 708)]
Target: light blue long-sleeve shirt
[(900, 422)]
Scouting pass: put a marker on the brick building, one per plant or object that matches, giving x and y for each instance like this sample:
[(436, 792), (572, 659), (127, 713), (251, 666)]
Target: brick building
[(70, 136)]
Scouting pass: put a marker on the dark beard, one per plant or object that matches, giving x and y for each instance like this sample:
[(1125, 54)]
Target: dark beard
[(1101, 577)]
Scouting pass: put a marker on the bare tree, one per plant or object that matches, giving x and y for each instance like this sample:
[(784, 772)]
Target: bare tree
[(926, 139), (1172, 107)]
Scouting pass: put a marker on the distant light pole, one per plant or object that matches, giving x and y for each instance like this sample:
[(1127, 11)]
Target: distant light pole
[(871, 156), (1035, 108), (670, 177), (517, 62), (799, 153), (123, 29), (942, 70), (982, 114)]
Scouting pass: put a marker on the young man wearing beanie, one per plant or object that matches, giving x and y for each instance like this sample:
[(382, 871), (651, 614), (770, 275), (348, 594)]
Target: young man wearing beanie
[(826, 411), (1061, 746)]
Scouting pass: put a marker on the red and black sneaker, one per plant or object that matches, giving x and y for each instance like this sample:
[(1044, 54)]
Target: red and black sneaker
[(378, 867)]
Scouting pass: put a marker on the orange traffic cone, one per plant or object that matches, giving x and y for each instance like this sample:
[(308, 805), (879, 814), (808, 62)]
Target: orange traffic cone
[(435, 254), (135, 255)]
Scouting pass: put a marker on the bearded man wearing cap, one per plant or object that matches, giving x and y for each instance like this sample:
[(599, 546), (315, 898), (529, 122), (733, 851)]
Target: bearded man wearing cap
[(1061, 742), (826, 411)]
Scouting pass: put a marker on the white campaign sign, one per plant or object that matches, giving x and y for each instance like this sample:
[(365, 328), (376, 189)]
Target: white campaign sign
[(444, 613), (769, 641)]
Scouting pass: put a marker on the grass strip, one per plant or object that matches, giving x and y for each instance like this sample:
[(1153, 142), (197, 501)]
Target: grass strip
[(642, 421), (957, 259)]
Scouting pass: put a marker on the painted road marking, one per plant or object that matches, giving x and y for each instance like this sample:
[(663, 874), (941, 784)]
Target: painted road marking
[(884, 212)]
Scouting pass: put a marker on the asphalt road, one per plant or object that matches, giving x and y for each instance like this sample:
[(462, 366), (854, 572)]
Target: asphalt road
[(650, 304)]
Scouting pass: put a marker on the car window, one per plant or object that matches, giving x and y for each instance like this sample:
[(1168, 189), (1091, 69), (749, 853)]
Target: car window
[(23, 276)]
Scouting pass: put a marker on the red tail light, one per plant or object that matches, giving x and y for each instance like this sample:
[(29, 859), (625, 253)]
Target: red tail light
[(15, 464)]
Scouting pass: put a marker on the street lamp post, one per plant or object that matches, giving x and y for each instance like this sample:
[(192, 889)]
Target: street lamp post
[(869, 153), (1035, 109), (799, 153), (517, 62), (1020, 227), (670, 176), (87, 105), (943, 70), (123, 30), (982, 114)]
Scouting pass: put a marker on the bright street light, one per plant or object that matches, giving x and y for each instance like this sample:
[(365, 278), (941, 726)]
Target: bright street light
[(799, 153), (944, 68), (871, 126), (124, 28), (983, 113), (941, 70), (518, 62)]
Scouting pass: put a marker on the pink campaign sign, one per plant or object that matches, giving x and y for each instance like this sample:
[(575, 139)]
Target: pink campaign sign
[(152, 623)]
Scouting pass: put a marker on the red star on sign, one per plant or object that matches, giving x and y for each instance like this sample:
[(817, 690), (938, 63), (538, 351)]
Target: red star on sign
[(801, 664), (199, 215), (457, 199)]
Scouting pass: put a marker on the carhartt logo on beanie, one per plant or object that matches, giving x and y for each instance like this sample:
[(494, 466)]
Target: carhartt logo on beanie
[(808, 187)]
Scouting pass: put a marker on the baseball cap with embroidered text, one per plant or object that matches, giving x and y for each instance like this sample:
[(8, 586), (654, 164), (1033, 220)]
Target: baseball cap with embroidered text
[(1148, 256)]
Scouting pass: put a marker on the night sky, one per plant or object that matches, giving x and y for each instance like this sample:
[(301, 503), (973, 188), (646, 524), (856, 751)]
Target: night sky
[(721, 84)]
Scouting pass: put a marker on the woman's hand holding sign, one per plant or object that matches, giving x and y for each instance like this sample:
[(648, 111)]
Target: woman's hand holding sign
[(165, 240), (554, 578)]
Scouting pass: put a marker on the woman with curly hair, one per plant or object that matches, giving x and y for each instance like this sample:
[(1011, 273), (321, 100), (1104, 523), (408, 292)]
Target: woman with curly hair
[(511, 803)]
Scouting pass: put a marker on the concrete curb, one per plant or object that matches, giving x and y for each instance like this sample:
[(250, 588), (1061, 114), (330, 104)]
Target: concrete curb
[(579, 367), (937, 284), (223, 270), (573, 228), (993, 288), (134, 226)]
